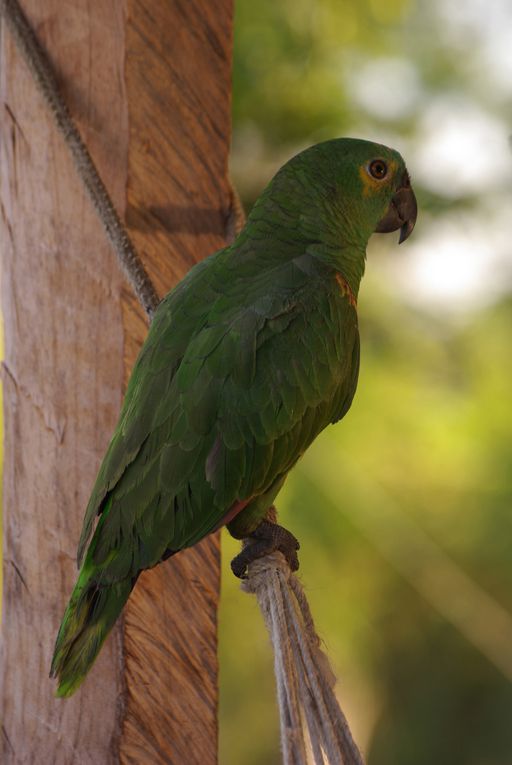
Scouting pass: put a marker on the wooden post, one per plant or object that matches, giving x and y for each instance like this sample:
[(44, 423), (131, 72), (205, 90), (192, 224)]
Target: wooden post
[(148, 82)]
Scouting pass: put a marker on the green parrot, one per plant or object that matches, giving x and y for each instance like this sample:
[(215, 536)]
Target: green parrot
[(246, 361)]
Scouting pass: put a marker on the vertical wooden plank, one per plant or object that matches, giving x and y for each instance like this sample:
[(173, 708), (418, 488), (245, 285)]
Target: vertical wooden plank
[(149, 83), (178, 79), (63, 372)]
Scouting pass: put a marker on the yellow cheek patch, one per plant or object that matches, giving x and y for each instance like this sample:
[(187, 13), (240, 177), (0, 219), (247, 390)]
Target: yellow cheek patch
[(372, 185)]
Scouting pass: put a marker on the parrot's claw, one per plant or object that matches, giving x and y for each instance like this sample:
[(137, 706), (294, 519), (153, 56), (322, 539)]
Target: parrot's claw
[(266, 539)]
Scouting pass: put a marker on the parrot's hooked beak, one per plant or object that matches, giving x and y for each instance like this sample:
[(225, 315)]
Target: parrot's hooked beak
[(402, 211)]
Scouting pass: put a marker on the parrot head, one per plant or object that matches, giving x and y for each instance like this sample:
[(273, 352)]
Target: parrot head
[(366, 185), (327, 201), (343, 191)]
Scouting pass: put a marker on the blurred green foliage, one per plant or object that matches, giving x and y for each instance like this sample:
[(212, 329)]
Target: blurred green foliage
[(414, 609), (289, 60)]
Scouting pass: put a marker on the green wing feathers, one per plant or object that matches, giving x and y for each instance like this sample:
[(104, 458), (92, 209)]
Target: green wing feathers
[(233, 383)]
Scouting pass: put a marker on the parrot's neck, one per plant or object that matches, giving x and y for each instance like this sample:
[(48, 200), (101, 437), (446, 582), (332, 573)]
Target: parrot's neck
[(283, 225), (348, 261), (338, 239)]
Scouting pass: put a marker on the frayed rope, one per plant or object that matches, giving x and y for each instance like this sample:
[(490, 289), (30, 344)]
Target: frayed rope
[(308, 706)]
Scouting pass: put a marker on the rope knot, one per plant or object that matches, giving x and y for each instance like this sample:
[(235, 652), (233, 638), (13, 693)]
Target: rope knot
[(263, 570)]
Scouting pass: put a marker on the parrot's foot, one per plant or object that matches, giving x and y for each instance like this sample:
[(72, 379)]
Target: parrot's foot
[(265, 539)]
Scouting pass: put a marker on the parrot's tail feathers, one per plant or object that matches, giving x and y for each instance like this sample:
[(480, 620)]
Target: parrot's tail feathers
[(89, 617)]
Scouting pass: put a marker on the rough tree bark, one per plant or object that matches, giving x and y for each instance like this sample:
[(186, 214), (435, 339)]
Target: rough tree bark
[(149, 83)]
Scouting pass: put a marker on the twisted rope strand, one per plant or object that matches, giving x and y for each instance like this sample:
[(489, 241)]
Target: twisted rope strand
[(315, 685), (303, 675), (284, 651), (321, 661), (41, 68)]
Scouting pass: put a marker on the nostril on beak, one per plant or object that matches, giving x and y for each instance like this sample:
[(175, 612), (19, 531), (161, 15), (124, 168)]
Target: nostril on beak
[(406, 181)]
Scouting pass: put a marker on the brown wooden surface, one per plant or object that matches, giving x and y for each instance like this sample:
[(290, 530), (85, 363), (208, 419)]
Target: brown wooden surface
[(178, 79), (63, 373), (148, 83)]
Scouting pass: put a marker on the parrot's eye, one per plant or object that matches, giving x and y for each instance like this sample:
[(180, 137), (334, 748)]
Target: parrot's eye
[(378, 169)]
